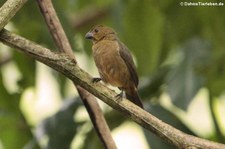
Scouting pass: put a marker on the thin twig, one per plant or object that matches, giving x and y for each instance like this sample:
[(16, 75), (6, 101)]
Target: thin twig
[(88, 99), (97, 120), (62, 63)]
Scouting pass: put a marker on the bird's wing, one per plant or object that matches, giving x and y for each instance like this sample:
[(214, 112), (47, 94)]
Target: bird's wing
[(127, 58)]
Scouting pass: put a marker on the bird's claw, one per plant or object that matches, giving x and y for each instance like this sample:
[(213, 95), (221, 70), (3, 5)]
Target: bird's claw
[(119, 96), (95, 80)]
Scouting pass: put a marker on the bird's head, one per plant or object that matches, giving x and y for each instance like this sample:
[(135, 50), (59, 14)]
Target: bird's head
[(100, 32)]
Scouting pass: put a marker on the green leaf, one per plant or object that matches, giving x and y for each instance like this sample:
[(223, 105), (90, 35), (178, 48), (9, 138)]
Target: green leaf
[(15, 133), (143, 28), (26, 67), (184, 80), (152, 87), (60, 128)]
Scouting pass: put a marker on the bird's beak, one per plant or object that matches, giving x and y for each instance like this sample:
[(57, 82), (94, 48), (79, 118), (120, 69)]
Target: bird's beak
[(89, 35)]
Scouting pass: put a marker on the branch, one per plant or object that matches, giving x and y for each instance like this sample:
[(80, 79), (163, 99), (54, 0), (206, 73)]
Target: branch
[(55, 27), (63, 64), (90, 102), (8, 10)]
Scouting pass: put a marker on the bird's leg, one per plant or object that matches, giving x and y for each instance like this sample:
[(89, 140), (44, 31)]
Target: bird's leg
[(95, 80), (120, 95)]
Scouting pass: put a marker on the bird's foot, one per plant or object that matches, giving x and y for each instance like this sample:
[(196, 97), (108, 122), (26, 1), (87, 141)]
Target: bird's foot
[(119, 96), (95, 80)]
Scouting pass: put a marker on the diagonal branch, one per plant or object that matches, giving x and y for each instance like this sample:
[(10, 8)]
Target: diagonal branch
[(55, 27), (8, 10), (63, 64), (90, 102)]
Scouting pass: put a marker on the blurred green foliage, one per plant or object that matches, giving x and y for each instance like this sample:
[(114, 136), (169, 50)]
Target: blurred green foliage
[(178, 50)]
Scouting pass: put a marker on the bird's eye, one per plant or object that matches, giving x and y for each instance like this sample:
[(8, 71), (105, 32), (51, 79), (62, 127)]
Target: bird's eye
[(96, 30)]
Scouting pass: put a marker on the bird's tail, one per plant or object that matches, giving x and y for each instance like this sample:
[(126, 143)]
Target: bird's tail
[(133, 96)]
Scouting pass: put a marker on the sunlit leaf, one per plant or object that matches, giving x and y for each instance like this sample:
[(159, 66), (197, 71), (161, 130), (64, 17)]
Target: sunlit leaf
[(60, 128)]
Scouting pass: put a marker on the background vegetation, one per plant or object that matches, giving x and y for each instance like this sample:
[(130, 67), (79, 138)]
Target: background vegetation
[(179, 52)]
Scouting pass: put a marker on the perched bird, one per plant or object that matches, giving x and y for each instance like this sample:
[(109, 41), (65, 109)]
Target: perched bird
[(114, 62)]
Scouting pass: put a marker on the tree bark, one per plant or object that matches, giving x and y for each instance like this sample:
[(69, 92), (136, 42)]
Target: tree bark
[(8, 10)]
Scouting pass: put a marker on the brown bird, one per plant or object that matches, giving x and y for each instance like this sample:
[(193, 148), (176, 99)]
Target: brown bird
[(114, 62)]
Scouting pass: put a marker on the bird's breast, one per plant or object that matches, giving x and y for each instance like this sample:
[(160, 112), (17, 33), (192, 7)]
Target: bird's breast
[(111, 66)]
